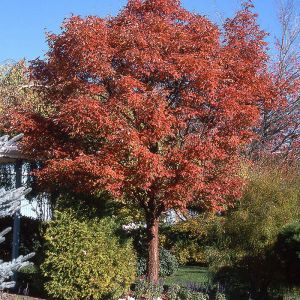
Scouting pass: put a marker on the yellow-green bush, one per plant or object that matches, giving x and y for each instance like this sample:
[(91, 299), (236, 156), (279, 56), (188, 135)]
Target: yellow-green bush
[(85, 259), (243, 258), (271, 200), (188, 240)]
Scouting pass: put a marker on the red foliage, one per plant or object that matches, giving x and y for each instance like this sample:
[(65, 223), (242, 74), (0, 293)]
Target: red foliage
[(154, 102), (153, 105)]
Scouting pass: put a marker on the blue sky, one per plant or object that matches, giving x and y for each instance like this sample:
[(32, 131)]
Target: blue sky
[(23, 23)]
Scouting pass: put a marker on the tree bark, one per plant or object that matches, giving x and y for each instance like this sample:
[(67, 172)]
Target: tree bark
[(153, 251)]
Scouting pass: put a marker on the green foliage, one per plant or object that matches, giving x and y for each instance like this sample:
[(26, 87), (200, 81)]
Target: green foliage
[(173, 292), (101, 204), (188, 240), (15, 89), (287, 248), (243, 256), (86, 259), (270, 201), (291, 294), (168, 264), (177, 292), (147, 291), (220, 296), (186, 294), (31, 279), (192, 287)]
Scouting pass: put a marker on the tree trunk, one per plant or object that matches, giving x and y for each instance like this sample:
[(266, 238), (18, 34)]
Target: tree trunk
[(153, 251)]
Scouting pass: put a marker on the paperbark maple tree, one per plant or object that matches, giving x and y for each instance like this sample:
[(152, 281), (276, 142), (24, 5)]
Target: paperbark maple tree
[(152, 105)]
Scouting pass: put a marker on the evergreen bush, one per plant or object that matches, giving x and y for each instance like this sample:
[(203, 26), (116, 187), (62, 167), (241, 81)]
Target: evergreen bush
[(168, 263), (86, 259)]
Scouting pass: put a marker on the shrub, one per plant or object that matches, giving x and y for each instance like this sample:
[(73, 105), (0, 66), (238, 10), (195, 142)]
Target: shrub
[(147, 291), (31, 282), (185, 294), (243, 256), (287, 248), (168, 264), (220, 296), (85, 259), (173, 292), (181, 293), (188, 240)]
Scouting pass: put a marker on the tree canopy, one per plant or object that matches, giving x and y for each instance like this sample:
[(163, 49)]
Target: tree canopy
[(152, 105)]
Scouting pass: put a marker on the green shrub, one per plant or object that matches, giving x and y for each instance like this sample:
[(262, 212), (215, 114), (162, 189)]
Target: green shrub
[(173, 292), (291, 294), (146, 290), (181, 293), (287, 248), (86, 259), (243, 257), (30, 280), (185, 294), (168, 264), (188, 240), (220, 296)]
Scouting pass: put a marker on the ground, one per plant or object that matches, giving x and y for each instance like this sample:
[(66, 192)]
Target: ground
[(4, 296)]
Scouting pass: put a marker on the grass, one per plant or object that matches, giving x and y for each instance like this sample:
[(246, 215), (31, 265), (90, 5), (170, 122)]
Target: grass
[(189, 274)]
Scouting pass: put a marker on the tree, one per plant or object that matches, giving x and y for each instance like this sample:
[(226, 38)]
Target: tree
[(152, 105), (16, 88), (279, 129)]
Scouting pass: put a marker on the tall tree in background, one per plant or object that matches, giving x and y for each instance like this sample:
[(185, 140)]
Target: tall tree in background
[(279, 129), (16, 90), (15, 87), (152, 105)]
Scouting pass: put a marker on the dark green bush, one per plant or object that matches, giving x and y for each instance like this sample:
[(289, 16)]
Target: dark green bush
[(86, 259), (31, 281), (168, 263), (287, 248)]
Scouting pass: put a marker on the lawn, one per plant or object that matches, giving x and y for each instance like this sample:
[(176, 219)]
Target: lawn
[(189, 275)]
